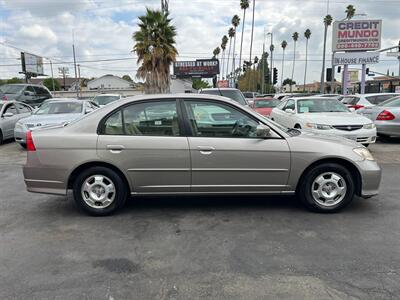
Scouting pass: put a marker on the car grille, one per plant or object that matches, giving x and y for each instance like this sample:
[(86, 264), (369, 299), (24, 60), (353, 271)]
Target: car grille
[(347, 127), (362, 139), (30, 125)]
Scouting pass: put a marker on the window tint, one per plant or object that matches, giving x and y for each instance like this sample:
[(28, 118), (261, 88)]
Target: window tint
[(11, 109), (209, 119), (23, 109), (290, 105), (392, 102), (30, 89), (152, 118), (379, 99), (113, 125), (350, 100)]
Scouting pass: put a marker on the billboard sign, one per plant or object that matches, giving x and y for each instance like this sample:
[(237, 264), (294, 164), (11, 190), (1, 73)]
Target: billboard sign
[(205, 68), (355, 58), (356, 35), (31, 64)]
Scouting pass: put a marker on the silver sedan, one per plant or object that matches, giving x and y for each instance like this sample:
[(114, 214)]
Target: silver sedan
[(10, 113), (386, 117), (181, 144)]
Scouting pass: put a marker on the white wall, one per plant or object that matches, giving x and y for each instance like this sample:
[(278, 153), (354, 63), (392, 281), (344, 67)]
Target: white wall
[(108, 82)]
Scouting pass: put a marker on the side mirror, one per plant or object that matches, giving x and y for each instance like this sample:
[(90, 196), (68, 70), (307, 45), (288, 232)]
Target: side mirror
[(289, 111), (28, 93), (262, 131), (8, 115)]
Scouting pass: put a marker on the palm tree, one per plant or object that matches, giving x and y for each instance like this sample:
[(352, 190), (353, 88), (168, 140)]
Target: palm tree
[(283, 45), (231, 34), (216, 52), (244, 4), (350, 12), (155, 48), (235, 24), (295, 37), (252, 28), (307, 35), (224, 42), (327, 23)]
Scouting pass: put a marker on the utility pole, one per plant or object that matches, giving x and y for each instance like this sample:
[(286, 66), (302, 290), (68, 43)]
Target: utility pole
[(79, 79), (73, 52), (64, 73), (52, 75), (263, 66), (271, 49)]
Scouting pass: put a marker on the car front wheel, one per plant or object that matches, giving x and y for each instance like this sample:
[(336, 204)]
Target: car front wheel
[(99, 191), (327, 188)]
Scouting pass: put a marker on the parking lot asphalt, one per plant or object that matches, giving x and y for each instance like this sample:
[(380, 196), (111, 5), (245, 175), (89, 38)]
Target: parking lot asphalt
[(199, 248)]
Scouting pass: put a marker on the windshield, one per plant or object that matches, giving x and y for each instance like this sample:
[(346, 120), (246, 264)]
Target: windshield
[(103, 100), (52, 108), (11, 89), (392, 102), (232, 94), (320, 105), (266, 103)]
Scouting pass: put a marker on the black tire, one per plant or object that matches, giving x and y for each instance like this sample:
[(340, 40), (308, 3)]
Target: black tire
[(121, 191), (297, 126), (1, 138), (305, 186), (365, 145)]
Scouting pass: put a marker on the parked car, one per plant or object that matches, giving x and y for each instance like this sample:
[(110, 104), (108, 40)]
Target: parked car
[(105, 99), (250, 97), (264, 106), (52, 112), (386, 117), (165, 145), (31, 94), (326, 116), (10, 113), (363, 100), (231, 93)]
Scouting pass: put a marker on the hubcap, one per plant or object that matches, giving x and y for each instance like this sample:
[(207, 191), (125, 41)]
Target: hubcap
[(98, 191), (329, 189)]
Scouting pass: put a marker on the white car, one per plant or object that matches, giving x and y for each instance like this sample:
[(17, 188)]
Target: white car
[(358, 101), (325, 116)]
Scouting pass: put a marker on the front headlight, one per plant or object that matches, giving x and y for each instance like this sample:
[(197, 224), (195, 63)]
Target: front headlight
[(363, 153), (369, 126), (19, 125), (318, 126)]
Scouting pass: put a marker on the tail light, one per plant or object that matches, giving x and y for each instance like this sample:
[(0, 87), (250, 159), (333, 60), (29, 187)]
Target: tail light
[(357, 106), (30, 145), (4, 98), (385, 116)]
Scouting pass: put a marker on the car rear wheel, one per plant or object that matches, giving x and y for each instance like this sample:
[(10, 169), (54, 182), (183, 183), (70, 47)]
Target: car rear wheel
[(99, 191), (327, 188), (1, 138)]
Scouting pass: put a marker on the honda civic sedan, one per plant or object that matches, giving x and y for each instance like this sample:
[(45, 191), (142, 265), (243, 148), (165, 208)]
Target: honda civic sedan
[(188, 144)]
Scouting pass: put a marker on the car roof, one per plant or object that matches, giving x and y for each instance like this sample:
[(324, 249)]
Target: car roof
[(374, 94), (108, 95), (221, 89), (64, 100), (312, 98)]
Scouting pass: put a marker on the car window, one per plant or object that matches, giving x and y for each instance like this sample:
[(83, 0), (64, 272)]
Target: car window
[(103, 100), (10, 109), (281, 105), (113, 125), (290, 104), (11, 89), (266, 103), (23, 109), (59, 108), (248, 95), (350, 100), (392, 102), (235, 95), (152, 119), (379, 99), (30, 89), (210, 119), (320, 105)]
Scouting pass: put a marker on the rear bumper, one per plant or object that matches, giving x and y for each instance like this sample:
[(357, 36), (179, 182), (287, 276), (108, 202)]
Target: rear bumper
[(371, 175), (388, 128)]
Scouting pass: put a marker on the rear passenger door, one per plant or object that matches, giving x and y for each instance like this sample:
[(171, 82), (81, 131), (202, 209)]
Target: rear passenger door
[(8, 122), (145, 139)]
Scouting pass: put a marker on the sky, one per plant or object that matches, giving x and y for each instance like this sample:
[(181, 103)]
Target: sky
[(102, 30)]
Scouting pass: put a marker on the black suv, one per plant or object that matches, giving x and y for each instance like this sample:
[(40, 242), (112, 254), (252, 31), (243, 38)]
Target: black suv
[(32, 94)]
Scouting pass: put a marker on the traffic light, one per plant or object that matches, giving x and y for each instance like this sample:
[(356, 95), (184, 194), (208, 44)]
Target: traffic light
[(367, 71), (266, 78), (275, 76), (339, 69), (328, 74)]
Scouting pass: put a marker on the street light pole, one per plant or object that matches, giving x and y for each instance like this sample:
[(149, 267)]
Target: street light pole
[(52, 75), (272, 53)]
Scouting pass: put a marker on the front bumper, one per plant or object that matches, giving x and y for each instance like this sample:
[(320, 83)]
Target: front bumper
[(362, 136), (371, 175)]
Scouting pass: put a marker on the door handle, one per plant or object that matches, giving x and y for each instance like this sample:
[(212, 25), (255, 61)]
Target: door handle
[(115, 148), (205, 149)]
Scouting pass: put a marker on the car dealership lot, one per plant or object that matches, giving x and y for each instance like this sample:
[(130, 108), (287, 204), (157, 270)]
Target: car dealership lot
[(208, 247)]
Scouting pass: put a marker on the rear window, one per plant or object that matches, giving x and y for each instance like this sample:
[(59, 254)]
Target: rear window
[(103, 100), (350, 100), (392, 102), (51, 108), (235, 95), (11, 89), (380, 98), (266, 103)]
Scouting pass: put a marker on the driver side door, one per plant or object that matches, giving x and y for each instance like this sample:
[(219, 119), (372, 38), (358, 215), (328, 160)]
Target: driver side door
[(226, 154)]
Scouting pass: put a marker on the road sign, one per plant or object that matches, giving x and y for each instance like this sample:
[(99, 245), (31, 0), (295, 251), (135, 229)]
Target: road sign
[(355, 58), (206, 68), (356, 35)]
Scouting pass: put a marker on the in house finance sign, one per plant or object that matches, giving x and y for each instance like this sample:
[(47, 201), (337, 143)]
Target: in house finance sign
[(356, 35)]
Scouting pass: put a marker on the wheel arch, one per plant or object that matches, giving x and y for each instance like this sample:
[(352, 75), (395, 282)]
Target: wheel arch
[(87, 165), (340, 161)]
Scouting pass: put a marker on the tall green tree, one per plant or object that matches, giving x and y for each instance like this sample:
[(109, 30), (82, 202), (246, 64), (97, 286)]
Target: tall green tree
[(235, 24), (231, 34), (350, 12), (155, 48), (244, 4), (327, 23), (224, 42), (295, 37), (283, 45), (263, 67), (198, 83), (48, 82), (307, 35), (127, 78), (216, 52)]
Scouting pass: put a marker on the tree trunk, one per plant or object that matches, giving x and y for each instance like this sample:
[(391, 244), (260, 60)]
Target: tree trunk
[(305, 68), (229, 54), (283, 65), (294, 62), (241, 40), (233, 57), (322, 84)]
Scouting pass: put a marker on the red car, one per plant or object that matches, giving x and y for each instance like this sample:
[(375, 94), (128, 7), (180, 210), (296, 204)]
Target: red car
[(264, 106)]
